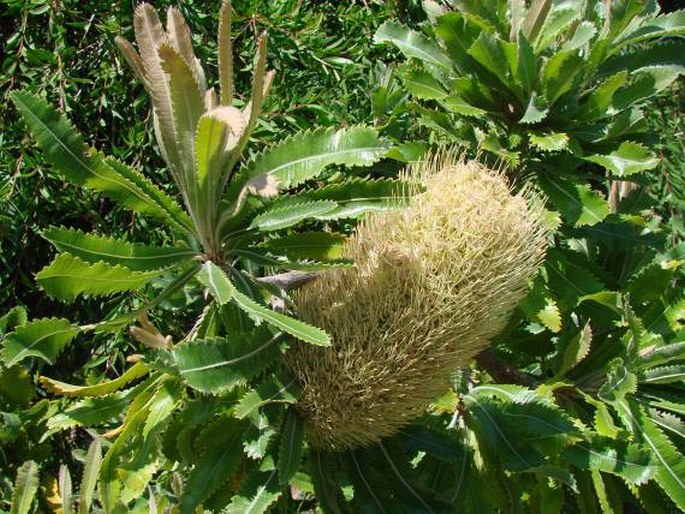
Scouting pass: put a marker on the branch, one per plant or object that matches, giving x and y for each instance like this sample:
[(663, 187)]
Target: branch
[(290, 279), (502, 371)]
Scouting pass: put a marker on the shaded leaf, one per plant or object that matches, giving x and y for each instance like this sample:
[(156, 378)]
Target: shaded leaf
[(44, 338)]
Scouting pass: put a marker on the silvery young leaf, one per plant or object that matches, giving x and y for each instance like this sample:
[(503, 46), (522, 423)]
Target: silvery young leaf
[(68, 277), (134, 256), (25, 488), (44, 338)]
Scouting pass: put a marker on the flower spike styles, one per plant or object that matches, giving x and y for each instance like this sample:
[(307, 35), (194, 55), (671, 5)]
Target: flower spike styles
[(433, 284)]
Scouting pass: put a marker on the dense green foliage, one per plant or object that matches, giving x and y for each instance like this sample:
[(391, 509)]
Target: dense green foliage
[(578, 405)]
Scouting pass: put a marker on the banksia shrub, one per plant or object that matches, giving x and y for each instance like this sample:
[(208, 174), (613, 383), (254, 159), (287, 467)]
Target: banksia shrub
[(433, 283)]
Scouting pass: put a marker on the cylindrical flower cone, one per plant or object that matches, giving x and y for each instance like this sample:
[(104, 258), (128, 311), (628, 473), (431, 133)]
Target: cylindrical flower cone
[(433, 283)]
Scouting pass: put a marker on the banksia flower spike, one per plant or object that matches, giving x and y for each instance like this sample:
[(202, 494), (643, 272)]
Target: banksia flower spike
[(433, 283)]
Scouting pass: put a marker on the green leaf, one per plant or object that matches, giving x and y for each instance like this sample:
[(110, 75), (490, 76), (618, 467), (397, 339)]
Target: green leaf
[(535, 112), (65, 148), (358, 196), (44, 338), (68, 277), (221, 454), (578, 203), (134, 256), (90, 476), (56, 387), (560, 72), (326, 488), (319, 246), (218, 365), (574, 350), (549, 316), (550, 142), (273, 390), (628, 159), (456, 104), (14, 318), (421, 84), (259, 491), (290, 447), (629, 461), (412, 44), (601, 98), (25, 488), (90, 411), (489, 52), (664, 375), (219, 285), (279, 217), (619, 383), (306, 155), (670, 472), (656, 356), (295, 328)]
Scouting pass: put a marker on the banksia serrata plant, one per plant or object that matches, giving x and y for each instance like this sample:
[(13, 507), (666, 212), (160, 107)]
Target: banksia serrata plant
[(433, 283)]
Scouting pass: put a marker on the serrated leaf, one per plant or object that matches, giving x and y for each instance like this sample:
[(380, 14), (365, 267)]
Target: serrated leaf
[(292, 326), (290, 447), (67, 277), (550, 142), (64, 148), (422, 84), (90, 411), (214, 279), (318, 246), (619, 383), (306, 155), (134, 256), (284, 216), (56, 387), (89, 478), (65, 489), (322, 466), (575, 350), (628, 159), (257, 494), (664, 375), (670, 472), (15, 317), (221, 445), (578, 203), (412, 44), (44, 338), (656, 356), (457, 104), (273, 390), (560, 72), (358, 196), (536, 112), (549, 316), (25, 488), (488, 50), (629, 461), (218, 365)]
